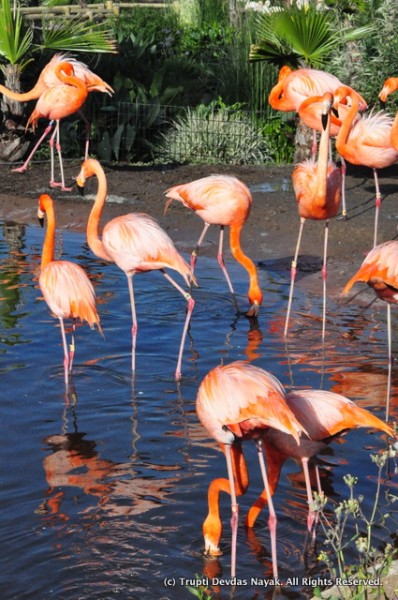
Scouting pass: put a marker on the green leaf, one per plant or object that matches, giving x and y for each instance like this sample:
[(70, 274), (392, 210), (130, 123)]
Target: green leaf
[(15, 37), (77, 35)]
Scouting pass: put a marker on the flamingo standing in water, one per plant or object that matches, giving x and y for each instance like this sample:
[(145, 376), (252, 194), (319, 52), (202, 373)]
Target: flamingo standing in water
[(49, 79), (55, 104), (325, 416), (237, 402), (380, 271), (391, 85), (65, 286), (317, 186), (137, 244), (225, 201), (365, 141)]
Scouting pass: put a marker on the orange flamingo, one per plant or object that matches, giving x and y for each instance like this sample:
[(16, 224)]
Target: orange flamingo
[(222, 200), (296, 87), (48, 79), (380, 271), (325, 416), (365, 141), (137, 244), (64, 285), (55, 104), (238, 402), (317, 186), (389, 86)]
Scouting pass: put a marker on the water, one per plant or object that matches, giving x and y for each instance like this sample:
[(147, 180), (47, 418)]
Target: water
[(104, 496)]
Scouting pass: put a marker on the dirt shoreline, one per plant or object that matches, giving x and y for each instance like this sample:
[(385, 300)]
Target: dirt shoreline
[(269, 236)]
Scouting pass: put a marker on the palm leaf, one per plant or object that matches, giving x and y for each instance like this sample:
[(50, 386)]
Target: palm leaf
[(77, 35), (15, 38)]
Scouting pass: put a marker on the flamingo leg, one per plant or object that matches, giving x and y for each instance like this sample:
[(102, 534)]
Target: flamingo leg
[(311, 518), (343, 176), (220, 258), (324, 277), (389, 348), (234, 508), (56, 136), (377, 206), (72, 346), (195, 251), (36, 146), (190, 307), (293, 272), (66, 353), (134, 327), (272, 520)]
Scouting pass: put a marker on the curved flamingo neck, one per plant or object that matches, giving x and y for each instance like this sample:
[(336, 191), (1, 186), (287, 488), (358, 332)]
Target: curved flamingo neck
[(19, 96), (47, 255), (65, 73), (94, 218), (212, 526), (342, 136), (254, 293)]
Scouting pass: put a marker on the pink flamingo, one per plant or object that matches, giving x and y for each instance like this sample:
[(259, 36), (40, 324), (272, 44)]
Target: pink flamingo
[(137, 244), (237, 402), (64, 285), (365, 141), (225, 201), (391, 85), (380, 271), (317, 186), (58, 101)]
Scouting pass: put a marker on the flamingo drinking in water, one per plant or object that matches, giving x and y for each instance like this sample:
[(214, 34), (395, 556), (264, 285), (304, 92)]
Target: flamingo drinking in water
[(137, 244), (317, 186), (380, 271), (237, 402), (225, 201), (64, 285)]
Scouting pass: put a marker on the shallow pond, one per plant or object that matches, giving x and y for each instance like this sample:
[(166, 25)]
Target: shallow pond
[(103, 494)]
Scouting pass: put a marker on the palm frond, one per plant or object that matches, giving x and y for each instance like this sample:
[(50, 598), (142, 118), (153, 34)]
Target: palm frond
[(77, 35), (15, 37)]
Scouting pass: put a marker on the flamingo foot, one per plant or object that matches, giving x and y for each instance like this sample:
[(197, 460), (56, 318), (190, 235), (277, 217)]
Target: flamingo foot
[(59, 184), (19, 169)]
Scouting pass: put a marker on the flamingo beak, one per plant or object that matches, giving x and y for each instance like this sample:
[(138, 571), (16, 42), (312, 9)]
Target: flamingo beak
[(383, 104), (324, 120), (335, 112), (40, 216)]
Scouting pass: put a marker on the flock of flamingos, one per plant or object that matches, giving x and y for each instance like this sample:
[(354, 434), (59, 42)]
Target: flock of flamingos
[(237, 401)]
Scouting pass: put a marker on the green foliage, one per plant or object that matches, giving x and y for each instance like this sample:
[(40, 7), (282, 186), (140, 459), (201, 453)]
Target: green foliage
[(353, 530), (215, 134), (367, 62), (77, 35), (16, 37), (301, 36)]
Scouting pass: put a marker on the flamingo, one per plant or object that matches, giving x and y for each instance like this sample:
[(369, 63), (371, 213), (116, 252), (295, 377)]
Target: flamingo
[(325, 416), (237, 402), (48, 79), (65, 286), (365, 141), (295, 88), (137, 244), (317, 186), (225, 201), (380, 271), (56, 103), (389, 86)]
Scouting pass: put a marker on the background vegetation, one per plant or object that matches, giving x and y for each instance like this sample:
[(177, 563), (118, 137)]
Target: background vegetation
[(193, 60)]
